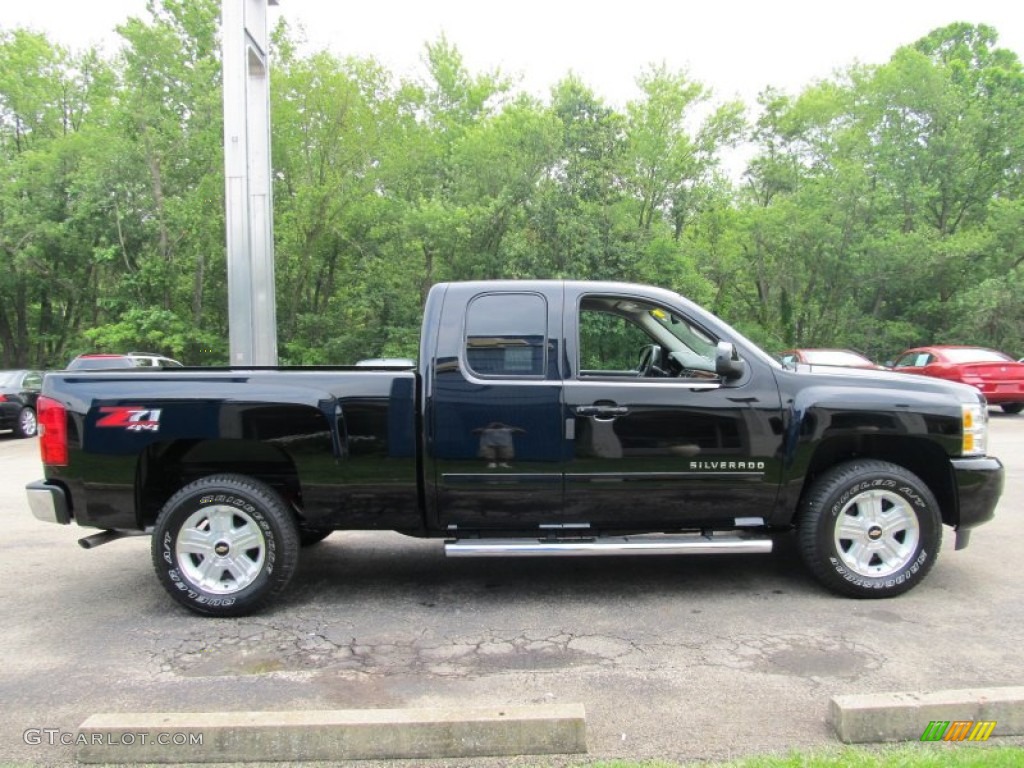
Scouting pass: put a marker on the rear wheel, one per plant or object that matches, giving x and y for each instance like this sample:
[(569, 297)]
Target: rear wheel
[(26, 425), (1013, 407), (869, 528), (225, 545)]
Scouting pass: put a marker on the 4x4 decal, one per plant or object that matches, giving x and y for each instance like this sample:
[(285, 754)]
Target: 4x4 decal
[(134, 418)]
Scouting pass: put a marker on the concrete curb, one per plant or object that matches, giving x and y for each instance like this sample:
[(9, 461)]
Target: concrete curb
[(874, 717), (221, 737)]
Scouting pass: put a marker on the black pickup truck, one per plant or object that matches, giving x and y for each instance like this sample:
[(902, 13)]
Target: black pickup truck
[(544, 418)]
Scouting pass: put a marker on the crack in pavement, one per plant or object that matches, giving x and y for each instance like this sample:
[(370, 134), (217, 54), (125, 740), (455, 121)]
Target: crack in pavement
[(262, 647)]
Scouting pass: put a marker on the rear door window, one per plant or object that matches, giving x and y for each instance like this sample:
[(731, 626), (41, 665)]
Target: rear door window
[(505, 335)]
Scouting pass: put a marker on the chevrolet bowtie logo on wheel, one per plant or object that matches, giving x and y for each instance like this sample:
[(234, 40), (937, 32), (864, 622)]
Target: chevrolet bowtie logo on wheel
[(958, 730)]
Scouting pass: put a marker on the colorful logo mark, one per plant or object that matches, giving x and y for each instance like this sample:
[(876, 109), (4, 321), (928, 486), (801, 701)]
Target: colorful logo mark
[(958, 730)]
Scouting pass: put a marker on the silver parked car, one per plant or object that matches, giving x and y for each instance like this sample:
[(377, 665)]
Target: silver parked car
[(97, 360)]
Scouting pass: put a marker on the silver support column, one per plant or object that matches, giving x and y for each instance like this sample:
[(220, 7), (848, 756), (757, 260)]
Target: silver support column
[(252, 302)]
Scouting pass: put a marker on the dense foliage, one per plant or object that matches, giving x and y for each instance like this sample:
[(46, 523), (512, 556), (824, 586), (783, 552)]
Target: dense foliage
[(879, 209)]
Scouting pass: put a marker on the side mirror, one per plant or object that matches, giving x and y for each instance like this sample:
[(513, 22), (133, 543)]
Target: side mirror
[(727, 363)]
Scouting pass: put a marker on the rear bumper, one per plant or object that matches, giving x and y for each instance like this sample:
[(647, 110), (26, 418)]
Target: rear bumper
[(48, 502), (979, 484), (1001, 398)]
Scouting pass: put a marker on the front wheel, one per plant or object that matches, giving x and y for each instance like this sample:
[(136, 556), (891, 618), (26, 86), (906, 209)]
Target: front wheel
[(225, 545), (1013, 407), (869, 528)]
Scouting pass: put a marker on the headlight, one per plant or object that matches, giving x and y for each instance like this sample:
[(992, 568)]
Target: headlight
[(974, 423)]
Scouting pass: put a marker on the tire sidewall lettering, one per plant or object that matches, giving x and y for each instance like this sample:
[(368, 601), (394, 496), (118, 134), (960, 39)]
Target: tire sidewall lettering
[(906, 491), (229, 500), (858, 488), (167, 545), (180, 584), (892, 580), (912, 496)]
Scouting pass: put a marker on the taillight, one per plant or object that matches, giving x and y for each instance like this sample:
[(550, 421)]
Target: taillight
[(3, 399), (53, 431)]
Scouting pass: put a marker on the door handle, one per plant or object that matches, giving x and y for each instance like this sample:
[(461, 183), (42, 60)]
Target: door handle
[(602, 411)]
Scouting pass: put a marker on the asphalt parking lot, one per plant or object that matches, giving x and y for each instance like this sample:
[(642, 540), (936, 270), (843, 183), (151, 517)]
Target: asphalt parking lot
[(674, 658)]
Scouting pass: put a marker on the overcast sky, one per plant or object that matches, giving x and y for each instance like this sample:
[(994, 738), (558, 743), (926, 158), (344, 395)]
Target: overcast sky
[(737, 47)]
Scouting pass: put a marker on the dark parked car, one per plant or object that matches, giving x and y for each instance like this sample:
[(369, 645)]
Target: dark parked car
[(128, 360), (844, 358), (998, 377), (18, 393)]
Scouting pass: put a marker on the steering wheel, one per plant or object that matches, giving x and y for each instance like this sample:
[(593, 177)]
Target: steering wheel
[(650, 362)]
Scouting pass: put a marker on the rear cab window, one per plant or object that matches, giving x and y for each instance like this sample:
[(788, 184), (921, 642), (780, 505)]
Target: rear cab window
[(506, 336)]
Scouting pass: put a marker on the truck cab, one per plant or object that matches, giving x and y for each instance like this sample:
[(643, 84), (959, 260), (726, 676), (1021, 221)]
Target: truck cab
[(595, 407)]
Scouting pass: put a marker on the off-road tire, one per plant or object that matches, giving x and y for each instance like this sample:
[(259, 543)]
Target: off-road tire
[(869, 529), (225, 545)]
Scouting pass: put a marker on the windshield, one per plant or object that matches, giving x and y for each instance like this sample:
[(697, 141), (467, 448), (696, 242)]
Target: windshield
[(99, 363), (10, 378), (835, 357), (692, 337)]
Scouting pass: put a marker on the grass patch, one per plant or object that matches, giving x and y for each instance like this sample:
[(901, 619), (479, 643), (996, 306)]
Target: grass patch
[(903, 756)]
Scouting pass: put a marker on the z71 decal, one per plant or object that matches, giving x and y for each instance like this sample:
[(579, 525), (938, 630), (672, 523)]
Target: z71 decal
[(133, 418)]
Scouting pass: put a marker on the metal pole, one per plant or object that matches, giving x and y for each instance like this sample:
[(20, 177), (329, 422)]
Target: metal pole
[(252, 303)]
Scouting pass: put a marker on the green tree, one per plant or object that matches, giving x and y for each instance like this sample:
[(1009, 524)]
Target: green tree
[(170, 196), (54, 108), (869, 207)]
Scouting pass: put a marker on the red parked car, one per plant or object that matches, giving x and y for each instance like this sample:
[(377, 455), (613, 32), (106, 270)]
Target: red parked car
[(845, 358), (997, 376)]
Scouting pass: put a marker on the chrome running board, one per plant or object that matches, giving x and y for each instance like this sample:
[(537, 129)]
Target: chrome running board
[(664, 544)]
